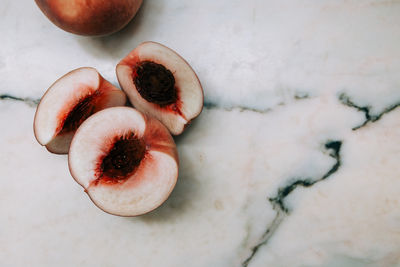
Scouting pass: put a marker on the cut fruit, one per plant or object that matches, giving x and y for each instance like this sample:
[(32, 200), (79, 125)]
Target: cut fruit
[(68, 102), (127, 162), (161, 83)]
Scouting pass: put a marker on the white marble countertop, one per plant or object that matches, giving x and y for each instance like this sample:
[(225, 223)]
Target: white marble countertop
[(295, 160)]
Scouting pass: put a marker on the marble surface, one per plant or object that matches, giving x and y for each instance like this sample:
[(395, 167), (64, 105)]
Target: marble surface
[(295, 160)]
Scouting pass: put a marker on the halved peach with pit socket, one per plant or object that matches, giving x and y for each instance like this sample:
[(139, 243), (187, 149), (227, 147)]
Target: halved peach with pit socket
[(161, 83), (127, 162), (68, 102)]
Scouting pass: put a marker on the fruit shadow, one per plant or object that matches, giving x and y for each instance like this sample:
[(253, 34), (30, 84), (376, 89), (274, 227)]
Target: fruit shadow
[(115, 46), (185, 192)]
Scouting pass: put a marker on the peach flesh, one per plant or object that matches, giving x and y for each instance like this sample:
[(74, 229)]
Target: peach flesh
[(126, 161), (93, 18), (68, 102), (71, 118), (80, 112), (155, 83), (175, 115)]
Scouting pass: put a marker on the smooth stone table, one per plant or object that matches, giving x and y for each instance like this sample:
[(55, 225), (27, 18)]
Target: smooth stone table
[(294, 161)]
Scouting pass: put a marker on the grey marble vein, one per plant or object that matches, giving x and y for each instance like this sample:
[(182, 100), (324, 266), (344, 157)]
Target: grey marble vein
[(214, 105), (278, 202), (345, 99), (29, 101)]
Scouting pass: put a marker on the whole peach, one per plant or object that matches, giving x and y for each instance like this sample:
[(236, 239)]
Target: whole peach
[(90, 17)]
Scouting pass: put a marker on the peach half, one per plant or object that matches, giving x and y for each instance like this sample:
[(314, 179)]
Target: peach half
[(68, 102), (161, 83), (127, 162)]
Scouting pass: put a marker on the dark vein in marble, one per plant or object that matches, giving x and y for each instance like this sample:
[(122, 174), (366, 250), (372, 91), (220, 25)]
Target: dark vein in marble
[(345, 99), (278, 202), (28, 101), (334, 147), (300, 96), (212, 105), (207, 104), (279, 217)]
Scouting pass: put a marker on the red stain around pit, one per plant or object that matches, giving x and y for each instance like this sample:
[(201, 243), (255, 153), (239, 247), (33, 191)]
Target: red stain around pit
[(132, 60), (175, 107), (127, 146), (155, 138), (76, 111), (131, 179)]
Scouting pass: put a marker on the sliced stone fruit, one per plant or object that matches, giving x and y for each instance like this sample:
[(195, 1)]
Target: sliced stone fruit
[(161, 83), (68, 102), (127, 162)]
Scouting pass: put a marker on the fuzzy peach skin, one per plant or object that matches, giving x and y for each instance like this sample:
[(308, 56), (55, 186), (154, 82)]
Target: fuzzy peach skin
[(90, 17)]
